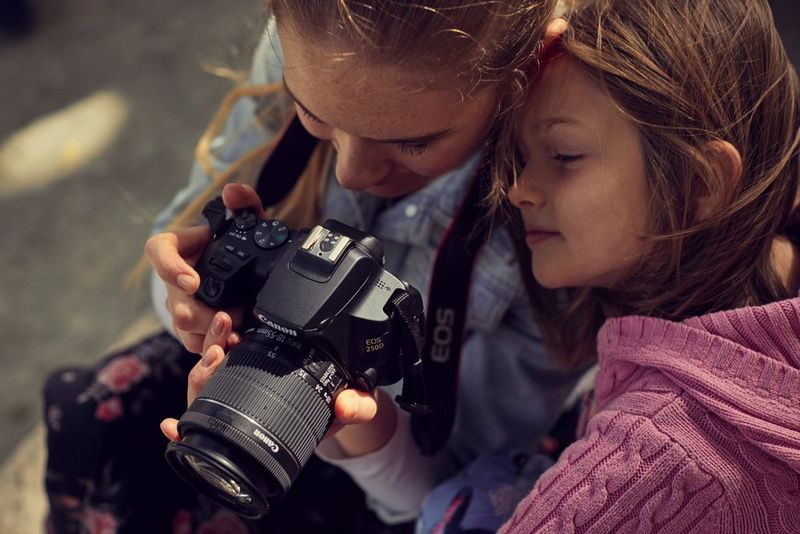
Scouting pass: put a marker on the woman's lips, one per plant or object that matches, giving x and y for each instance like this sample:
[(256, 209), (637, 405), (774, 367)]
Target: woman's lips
[(534, 237)]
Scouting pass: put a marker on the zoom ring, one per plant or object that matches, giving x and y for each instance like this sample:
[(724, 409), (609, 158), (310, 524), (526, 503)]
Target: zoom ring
[(268, 390)]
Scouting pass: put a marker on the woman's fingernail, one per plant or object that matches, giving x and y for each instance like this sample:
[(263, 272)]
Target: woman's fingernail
[(216, 326), (209, 357), (186, 282)]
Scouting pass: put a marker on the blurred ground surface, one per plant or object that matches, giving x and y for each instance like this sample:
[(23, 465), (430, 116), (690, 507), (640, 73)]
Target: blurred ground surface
[(67, 244)]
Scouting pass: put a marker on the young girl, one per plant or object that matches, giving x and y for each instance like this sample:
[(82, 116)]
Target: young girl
[(659, 196), (405, 122)]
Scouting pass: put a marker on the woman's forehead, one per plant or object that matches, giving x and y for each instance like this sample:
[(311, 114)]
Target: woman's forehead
[(374, 101)]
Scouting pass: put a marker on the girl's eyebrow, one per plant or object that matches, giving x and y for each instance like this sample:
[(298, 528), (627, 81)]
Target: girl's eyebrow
[(554, 121), (420, 139)]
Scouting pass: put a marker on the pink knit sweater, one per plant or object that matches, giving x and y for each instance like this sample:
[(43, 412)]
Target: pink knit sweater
[(697, 430)]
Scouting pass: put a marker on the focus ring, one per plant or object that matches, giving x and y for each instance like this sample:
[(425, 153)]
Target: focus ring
[(244, 442)]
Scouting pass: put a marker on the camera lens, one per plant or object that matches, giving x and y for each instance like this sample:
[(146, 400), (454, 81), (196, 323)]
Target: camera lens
[(222, 473), (257, 421), (224, 482)]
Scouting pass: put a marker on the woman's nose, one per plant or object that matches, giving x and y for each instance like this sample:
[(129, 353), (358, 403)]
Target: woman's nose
[(360, 164)]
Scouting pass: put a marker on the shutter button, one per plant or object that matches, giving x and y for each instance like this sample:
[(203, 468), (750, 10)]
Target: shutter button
[(245, 220)]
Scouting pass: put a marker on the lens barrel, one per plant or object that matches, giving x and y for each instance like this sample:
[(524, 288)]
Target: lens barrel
[(257, 421)]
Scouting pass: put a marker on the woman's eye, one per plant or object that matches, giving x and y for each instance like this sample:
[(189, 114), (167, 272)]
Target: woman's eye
[(308, 115), (412, 149)]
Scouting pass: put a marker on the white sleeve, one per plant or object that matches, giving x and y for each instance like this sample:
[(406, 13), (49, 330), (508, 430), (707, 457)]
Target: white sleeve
[(158, 296), (396, 478)]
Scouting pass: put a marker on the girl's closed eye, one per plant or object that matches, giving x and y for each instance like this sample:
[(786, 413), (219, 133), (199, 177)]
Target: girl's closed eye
[(566, 159)]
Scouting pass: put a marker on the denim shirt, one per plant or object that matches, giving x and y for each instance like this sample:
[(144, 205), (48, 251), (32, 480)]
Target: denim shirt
[(509, 391)]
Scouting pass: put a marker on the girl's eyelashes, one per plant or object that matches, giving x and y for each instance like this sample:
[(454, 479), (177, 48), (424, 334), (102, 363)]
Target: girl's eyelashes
[(412, 149), (564, 159)]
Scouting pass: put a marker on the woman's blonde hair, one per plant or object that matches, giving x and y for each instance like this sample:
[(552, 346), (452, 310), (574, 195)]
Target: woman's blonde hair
[(688, 73), (484, 41)]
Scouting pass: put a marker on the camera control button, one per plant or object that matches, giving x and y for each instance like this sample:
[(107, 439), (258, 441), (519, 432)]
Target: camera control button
[(230, 248), (271, 234), (242, 255), (212, 287), (222, 264), (245, 220), (314, 368)]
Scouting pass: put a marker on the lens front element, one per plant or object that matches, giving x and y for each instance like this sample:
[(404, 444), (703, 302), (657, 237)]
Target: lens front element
[(257, 421)]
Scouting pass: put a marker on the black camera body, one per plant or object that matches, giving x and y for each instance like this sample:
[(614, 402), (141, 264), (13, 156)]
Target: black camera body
[(326, 284), (325, 316)]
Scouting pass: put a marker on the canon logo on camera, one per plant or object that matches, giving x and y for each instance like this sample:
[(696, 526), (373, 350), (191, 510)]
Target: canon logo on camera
[(277, 327)]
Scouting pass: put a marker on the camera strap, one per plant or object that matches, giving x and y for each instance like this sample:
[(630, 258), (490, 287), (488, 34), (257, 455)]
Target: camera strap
[(288, 160), (447, 315), (434, 362)]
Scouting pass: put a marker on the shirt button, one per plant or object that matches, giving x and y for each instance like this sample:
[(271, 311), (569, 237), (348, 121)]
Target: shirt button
[(411, 210)]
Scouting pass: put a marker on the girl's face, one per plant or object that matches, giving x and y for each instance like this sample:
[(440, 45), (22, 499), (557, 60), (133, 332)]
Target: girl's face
[(394, 130), (583, 191)]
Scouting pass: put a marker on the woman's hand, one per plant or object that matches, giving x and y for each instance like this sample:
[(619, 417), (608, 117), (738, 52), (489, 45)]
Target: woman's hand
[(214, 340), (173, 256), (363, 423)]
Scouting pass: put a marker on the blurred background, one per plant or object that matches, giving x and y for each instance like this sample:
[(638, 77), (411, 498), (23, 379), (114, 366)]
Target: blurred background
[(101, 104)]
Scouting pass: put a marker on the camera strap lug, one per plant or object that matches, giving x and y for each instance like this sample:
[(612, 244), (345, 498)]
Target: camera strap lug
[(408, 306), (216, 215)]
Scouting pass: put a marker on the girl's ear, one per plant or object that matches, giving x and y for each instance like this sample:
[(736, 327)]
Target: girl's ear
[(726, 163), (555, 28)]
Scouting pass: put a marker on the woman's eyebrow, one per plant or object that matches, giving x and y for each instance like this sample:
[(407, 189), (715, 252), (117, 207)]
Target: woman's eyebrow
[(419, 139), (291, 94)]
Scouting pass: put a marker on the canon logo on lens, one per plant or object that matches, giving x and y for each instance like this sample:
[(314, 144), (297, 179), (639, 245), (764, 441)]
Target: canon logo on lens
[(264, 438)]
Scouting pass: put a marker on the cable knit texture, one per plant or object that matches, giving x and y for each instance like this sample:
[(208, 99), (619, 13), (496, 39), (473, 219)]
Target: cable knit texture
[(697, 430)]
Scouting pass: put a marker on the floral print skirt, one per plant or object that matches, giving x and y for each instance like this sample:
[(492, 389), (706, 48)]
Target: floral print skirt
[(106, 472)]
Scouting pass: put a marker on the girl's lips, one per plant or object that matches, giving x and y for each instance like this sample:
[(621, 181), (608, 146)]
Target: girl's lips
[(534, 237)]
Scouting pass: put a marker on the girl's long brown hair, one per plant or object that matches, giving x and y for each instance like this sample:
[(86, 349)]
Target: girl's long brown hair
[(689, 72)]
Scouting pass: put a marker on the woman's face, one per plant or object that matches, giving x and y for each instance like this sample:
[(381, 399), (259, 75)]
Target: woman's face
[(394, 129), (583, 192)]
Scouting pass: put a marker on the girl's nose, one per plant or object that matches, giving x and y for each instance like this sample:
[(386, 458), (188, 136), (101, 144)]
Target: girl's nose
[(525, 192)]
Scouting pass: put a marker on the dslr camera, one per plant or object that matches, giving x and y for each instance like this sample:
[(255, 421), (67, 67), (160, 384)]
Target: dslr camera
[(325, 316)]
